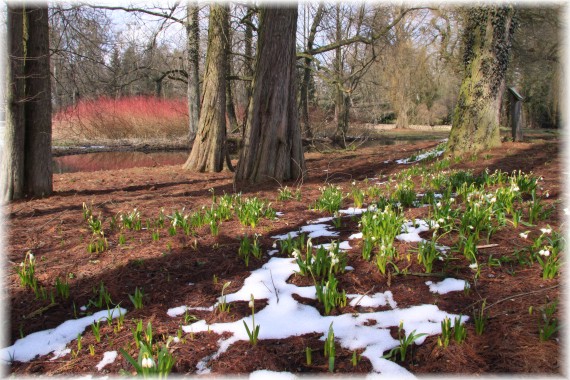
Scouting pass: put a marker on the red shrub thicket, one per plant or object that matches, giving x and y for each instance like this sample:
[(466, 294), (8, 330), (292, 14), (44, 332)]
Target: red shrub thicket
[(140, 117)]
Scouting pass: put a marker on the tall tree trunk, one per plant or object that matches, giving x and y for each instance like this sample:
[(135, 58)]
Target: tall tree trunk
[(305, 83), (272, 143), (37, 109), (209, 150), (193, 38), (230, 108), (487, 37), (248, 51), (12, 174), (341, 101)]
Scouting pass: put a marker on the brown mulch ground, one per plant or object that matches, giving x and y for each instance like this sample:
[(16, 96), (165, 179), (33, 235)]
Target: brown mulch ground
[(55, 231)]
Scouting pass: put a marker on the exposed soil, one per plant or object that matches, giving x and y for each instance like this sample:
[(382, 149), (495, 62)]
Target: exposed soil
[(55, 231)]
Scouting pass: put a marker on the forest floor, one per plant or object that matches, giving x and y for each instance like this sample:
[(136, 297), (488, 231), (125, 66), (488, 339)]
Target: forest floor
[(191, 270)]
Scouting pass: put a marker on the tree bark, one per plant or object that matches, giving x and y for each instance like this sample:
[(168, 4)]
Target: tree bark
[(304, 90), (209, 149), (37, 109), (488, 36), (248, 51), (193, 38), (14, 137), (230, 108), (272, 142)]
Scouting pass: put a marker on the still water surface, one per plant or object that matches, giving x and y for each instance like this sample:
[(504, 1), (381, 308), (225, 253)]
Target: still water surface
[(90, 162)]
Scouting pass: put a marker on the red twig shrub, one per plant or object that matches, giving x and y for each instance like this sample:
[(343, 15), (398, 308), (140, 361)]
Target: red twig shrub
[(142, 117)]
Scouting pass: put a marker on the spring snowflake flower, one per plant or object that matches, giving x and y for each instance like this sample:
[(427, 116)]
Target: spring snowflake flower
[(438, 204), (353, 183), (250, 304), (524, 235), (296, 254), (544, 252), (547, 231), (334, 261), (473, 266), (147, 363), (451, 200)]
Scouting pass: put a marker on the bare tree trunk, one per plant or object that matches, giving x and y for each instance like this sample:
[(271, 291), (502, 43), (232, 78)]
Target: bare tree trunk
[(14, 138), (230, 108), (304, 91), (249, 59), (272, 143), (193, 36), (37, 109), (488, 38), (209, 150), (341, 101)]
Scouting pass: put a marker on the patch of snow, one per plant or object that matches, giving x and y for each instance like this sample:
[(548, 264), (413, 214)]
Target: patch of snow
[(284, 317), (60, 353), (420, 157), (108, 358), (272, 252), (319, 230), (447, 285), (355, 236), (266, 374), (352, 211), (46, 341), (411, 231), (378, 299), (279, 213), (321, 220), (291, 235), (348, 267)]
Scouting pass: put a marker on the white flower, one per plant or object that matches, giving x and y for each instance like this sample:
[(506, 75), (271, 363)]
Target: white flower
[(31, 257), (451, 200), (296, 254), (546, 230), (334, 261), (353, 183), (147, 363), (546, 194), (473, 266), (440, 220), (438, 204), (515, 188), (544, 252), (250, 304), (524, 235), (493, 200), (566, 211)]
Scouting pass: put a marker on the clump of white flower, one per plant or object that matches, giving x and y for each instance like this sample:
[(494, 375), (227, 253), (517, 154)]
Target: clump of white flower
[(544, 252)]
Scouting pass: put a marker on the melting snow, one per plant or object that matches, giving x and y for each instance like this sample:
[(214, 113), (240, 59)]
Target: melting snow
[(447, 285), (411, 231), (43, 342), (420, 157), (108, 358), (284, 317)]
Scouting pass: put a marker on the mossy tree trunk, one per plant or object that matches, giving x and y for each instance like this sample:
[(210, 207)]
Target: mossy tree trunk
[(272, 142), (487, 38), (209, 148), (193, 91)]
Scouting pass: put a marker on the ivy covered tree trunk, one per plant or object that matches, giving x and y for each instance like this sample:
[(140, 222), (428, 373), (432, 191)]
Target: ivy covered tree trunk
[(209, 149), (487, 39), (193, 91), (272, 142)]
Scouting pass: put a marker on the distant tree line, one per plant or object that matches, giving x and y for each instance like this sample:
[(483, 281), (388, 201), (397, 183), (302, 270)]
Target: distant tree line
[(264, 70)]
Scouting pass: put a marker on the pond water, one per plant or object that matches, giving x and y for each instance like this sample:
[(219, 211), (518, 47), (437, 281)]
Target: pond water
[(90, 162)]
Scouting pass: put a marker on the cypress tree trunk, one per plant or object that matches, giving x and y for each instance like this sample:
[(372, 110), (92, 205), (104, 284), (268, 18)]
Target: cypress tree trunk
[(37, 109), (14, 137), (487, 38), (230, 108), (193, 41), (272, 142), (208, 151)]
